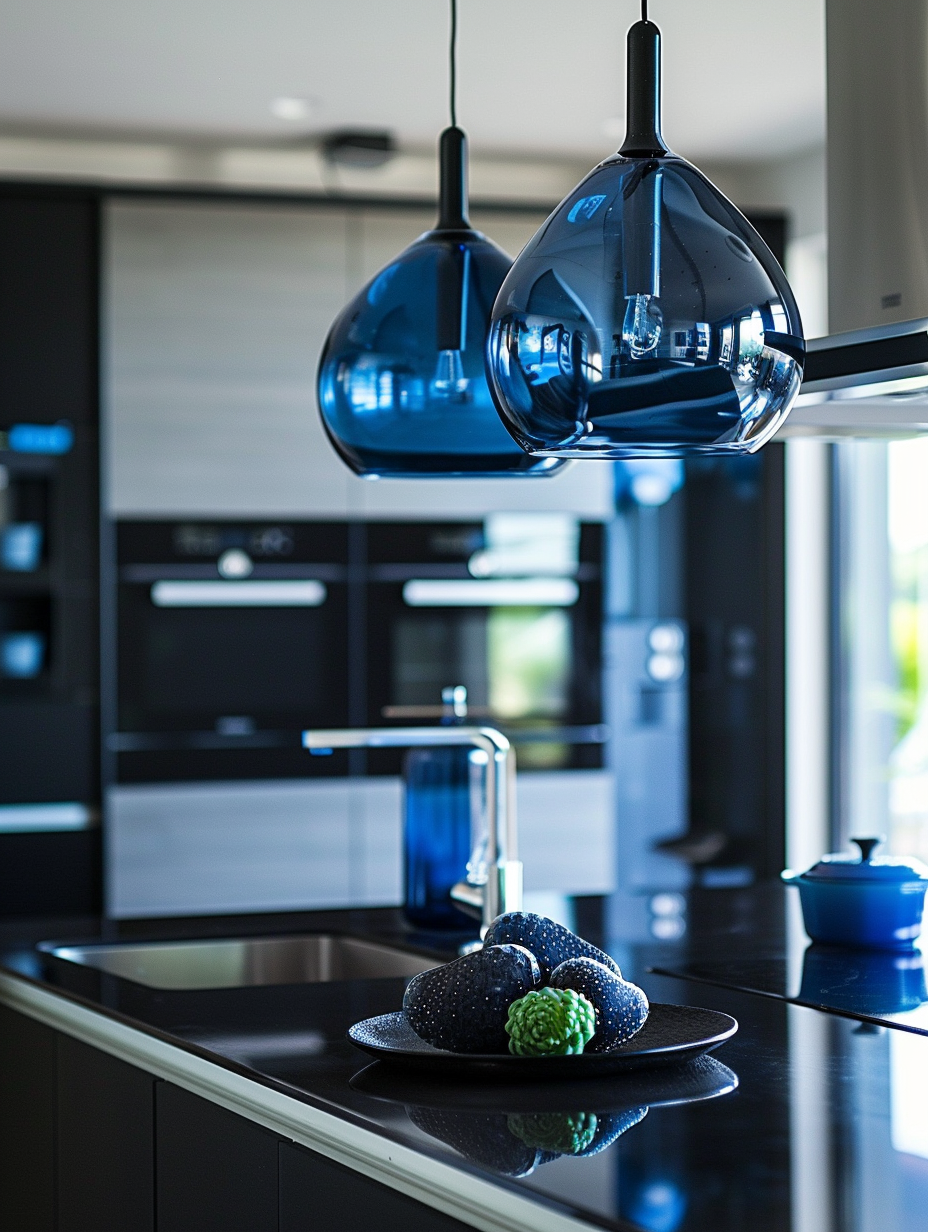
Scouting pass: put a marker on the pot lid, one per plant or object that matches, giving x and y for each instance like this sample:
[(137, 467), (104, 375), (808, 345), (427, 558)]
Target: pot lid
[(844, 867)]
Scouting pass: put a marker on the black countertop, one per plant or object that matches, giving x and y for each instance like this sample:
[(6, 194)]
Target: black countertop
[(804, 1120)]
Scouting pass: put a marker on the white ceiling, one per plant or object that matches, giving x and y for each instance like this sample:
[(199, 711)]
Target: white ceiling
[(743, 79)]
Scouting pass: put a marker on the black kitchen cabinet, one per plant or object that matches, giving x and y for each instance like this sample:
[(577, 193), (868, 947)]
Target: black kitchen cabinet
[(48, 310), (316, 1193), (215, 1171), (88, 1141), (49, 701), (105, 1142), (27, 1124), (736, 609), (52, 873)]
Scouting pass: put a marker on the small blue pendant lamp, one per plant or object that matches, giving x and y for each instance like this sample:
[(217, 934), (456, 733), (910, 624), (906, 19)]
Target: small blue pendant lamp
[(646, 317), (402, 384)]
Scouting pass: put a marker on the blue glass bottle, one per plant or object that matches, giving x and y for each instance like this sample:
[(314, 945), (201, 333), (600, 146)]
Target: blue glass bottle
[(402, 386), (437, 843), (646, 317)]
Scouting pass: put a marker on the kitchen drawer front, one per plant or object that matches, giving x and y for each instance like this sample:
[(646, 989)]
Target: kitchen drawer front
[(317, 1193), (105, 1142), (214, 1171), (27, 1124)]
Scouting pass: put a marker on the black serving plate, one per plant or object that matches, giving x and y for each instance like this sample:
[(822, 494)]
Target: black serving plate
[(671, 1034)]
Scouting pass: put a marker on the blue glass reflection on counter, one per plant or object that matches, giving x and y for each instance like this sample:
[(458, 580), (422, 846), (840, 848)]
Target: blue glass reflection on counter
[(645, 318), (874, 982), (402, 386), (654, 1203)]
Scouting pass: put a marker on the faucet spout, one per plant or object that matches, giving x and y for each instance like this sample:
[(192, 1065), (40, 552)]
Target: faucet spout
[(492, 889)]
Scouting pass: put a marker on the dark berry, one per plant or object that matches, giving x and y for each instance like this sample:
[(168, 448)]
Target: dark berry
[(463, 1005), (550, 942), (621, 1007)]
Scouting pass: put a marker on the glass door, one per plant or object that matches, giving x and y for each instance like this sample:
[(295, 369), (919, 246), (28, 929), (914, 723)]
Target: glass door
[(880, 630)]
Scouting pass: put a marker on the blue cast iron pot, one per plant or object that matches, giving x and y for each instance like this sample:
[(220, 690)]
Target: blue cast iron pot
[(874, 903)]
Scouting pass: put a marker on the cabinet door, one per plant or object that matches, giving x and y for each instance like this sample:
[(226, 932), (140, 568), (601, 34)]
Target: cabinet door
[(215, 318), (317, 1195), (105, 1142), (48, 307), (214, 1171), (27, 1124)]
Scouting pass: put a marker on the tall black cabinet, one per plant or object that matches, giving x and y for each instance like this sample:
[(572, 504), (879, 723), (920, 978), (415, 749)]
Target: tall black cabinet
[(49, 586)]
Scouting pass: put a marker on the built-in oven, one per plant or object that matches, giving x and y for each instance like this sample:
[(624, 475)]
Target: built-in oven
[(231, 638), (511, 608)]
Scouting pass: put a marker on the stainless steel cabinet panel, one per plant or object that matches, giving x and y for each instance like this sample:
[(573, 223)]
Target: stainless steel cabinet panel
[(292, 845), (274, 845), (214, 318)]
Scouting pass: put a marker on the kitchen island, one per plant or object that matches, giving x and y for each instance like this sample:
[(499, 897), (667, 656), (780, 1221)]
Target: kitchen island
[(125, 1106)]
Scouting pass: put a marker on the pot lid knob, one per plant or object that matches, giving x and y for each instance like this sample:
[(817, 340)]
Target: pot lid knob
[(867, 846)]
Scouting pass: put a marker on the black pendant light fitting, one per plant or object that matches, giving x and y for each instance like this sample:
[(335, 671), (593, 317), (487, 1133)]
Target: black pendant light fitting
[(646, 318), (402, 384)]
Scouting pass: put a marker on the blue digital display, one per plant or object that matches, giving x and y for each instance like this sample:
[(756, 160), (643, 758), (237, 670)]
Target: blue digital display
[(40, 438)]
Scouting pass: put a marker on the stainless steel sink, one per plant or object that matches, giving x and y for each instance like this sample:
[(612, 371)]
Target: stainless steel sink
[(311, 958)]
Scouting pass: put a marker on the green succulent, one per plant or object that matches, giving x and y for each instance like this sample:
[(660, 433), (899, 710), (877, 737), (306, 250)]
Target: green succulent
[(563, 1133), (552, 1022)]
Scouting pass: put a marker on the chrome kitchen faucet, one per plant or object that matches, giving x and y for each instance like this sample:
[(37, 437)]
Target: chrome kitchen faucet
[(494, 879)]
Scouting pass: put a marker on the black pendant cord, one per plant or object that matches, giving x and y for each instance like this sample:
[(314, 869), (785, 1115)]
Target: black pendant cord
[(643, 91), (453, 64), (452, 152)]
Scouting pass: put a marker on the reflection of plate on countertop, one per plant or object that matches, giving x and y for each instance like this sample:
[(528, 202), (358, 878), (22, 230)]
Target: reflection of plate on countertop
[(671, 1034), (701, 1078), (513, 1128)]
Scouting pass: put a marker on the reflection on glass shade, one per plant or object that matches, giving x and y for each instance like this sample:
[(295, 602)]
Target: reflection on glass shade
[(402, 384), (646, 318)]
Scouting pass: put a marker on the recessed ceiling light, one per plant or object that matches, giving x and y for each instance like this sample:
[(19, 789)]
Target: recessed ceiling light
[(359, 147), (613, 127), (290, 107)]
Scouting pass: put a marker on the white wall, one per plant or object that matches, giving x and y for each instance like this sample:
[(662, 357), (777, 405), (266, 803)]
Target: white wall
[(808, 730), (214, 317), (795, 184)]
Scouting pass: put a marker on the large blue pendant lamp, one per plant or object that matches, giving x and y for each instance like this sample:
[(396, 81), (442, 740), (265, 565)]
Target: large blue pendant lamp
[(646, 317), (402, 384)]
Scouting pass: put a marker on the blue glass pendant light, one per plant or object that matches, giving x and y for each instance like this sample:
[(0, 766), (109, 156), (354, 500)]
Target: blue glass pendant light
[(646, 317), (402, 384)]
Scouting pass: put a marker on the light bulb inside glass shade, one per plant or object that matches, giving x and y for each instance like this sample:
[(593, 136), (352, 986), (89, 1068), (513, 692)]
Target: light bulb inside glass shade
[(646, 317), (642, 327), (402, 384)]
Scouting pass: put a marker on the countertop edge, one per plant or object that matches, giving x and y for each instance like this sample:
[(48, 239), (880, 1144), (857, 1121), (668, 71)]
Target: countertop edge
[(441, 1186)]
